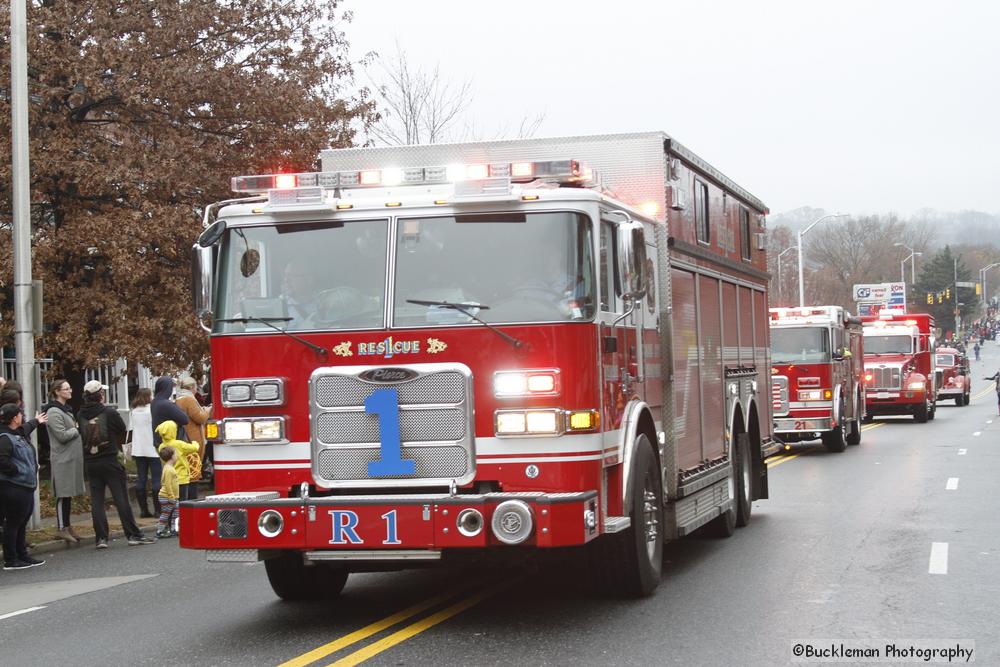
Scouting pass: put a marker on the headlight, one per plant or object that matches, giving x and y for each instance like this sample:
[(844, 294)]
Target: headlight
[(542, 382), (253, 391), (253, 430), (916, 386), (528, 422)]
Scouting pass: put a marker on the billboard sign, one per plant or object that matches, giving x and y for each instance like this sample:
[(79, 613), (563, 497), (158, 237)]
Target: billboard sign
[(877, 297)]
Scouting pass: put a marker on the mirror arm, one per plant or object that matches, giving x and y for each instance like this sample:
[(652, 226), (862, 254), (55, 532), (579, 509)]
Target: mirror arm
[(628, 311)]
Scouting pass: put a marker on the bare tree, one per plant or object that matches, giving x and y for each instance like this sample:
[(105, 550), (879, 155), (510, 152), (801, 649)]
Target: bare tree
[(416, 105)]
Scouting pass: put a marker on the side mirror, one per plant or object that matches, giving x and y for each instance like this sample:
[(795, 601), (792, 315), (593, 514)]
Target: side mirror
[(201, 281), (632, 259)]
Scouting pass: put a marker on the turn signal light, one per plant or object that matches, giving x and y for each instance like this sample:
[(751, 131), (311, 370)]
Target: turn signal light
[(583, 420)]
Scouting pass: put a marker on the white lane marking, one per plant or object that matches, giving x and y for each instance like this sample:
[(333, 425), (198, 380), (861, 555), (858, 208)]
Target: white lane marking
[(939, 558), (952, 484), (989, 421), (978, 433), (961, 452), (20, 611)]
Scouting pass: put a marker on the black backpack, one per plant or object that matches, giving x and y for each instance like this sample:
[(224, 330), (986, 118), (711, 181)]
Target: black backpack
[(96, 440)]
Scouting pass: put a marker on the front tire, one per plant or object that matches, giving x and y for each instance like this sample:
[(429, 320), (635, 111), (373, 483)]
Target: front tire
[(854, 434), (292, 580), (920, 414), (834, 440), (630, 563), (932, 411)]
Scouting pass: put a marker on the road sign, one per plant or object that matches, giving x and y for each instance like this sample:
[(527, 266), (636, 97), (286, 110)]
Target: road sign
[(965, 284)]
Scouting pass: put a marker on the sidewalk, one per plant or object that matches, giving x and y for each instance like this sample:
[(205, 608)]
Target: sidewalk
[(44, 540)]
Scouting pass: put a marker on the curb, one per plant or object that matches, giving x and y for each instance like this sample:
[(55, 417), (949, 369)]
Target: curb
[(53, 546)]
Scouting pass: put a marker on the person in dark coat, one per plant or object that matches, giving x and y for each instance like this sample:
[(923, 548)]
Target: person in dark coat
[(163, 409), (18, 479), (100, 460)]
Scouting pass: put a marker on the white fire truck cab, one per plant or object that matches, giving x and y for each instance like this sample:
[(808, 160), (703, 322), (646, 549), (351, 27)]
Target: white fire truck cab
[(817, 369)]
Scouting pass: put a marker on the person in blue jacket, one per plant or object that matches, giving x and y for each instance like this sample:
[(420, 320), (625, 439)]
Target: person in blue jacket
[(18, 479), (164, 409)]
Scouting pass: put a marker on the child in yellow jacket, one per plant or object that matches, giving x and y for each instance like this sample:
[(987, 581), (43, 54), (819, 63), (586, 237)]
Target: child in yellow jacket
[(169, 492), (187, 456)]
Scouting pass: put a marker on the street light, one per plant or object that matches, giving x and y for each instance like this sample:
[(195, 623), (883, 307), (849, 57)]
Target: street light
[(913, 267), (780, 255), (982, 276), (802, 297)]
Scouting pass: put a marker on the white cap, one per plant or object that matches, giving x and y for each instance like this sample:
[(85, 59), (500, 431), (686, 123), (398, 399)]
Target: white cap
[(94, 386)]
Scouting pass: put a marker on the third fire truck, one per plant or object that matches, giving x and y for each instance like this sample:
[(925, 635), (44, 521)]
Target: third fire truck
[(423, 353), (900, 378), (817, 365)]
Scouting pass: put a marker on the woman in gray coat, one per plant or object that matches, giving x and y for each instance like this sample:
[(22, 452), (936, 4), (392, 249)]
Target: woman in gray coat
[(66, 445)]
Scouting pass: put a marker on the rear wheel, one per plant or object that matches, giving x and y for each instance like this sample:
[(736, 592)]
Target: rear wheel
[(744, 480), (630, 563), (960, 400), (854, 431), (291, 579), (724, 525)]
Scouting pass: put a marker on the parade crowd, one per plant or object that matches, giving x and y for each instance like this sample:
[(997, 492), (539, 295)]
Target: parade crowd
[(88, 451)]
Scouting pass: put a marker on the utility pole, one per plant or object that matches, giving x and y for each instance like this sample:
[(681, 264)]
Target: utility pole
[(958, 310), (24, 341)]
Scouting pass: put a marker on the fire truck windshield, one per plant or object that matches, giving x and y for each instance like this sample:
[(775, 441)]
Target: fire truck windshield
[(888, 344), (796, 345), (534, 267), (945, 360), (301, 276)]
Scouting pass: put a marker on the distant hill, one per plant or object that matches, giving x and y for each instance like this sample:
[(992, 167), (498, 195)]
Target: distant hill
[(951, 228)]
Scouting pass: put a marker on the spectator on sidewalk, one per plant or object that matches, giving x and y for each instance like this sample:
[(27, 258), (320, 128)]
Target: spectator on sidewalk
[(18, 479), (169, 493), (147, 462), (187, 458), (103, 433), (162, 408), (197, 416), (65, 456)]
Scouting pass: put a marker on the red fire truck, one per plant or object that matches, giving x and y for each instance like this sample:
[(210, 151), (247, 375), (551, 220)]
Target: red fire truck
[(900, 378), (817, 364), (426, 352), (956, 382)]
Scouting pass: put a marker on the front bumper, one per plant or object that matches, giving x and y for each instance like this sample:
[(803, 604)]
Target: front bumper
[(361, 527), (803, 426), (951, 391)]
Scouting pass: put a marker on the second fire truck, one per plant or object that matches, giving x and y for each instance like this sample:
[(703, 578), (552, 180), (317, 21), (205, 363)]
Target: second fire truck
[(817, 364)]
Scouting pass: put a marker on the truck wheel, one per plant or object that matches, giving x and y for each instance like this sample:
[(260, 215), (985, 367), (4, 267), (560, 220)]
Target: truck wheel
[(920, 413), (629, 563), (932, 411), (292, 580), (967, 399), (744, 480), (960, 400), (854, 430), (834, 440)]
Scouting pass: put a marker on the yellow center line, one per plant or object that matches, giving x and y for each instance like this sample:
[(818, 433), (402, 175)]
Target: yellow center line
[(869, 427), (784, 460), (984, 392), (369, 630), (409, 631)]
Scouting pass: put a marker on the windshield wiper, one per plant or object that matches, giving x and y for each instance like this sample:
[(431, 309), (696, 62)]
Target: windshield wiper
[(266, 321), (464, 309)]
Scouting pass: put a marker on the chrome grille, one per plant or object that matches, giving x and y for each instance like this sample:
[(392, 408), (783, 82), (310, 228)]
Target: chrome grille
[(779, 395), (352, 463), (342, 391), (435, 426), (886, 377), (414, 425)]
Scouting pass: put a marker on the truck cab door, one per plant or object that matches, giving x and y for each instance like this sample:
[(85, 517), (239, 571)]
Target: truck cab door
[(617, 342)]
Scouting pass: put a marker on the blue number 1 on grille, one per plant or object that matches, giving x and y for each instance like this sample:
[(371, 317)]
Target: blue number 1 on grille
[(385, 404)]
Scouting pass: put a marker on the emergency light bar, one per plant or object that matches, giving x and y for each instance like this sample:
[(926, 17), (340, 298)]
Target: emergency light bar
[(564, 172)]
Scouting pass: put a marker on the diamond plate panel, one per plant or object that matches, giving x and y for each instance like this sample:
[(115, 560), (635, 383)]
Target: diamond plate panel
[(339, 391), (432, 425), (431, 462)]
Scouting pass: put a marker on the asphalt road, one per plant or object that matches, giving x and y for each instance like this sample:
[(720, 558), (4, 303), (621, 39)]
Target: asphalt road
[(843, 551)]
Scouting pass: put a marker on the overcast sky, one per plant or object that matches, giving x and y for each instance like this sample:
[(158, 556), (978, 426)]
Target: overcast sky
[(863, 107)]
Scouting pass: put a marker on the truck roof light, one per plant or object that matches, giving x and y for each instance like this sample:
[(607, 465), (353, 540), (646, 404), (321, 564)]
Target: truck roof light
[(565, 172), (911, 323)]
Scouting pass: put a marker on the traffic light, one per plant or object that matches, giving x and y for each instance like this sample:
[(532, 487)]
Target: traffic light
[(947, 293), (930, 299), (940, 297), (979, 289)]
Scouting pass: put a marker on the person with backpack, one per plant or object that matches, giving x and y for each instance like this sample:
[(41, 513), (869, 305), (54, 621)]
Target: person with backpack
[(103, 432), (18, 479)]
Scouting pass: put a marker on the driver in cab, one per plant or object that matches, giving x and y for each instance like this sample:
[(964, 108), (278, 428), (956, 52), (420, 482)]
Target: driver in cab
[(298, 287)]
